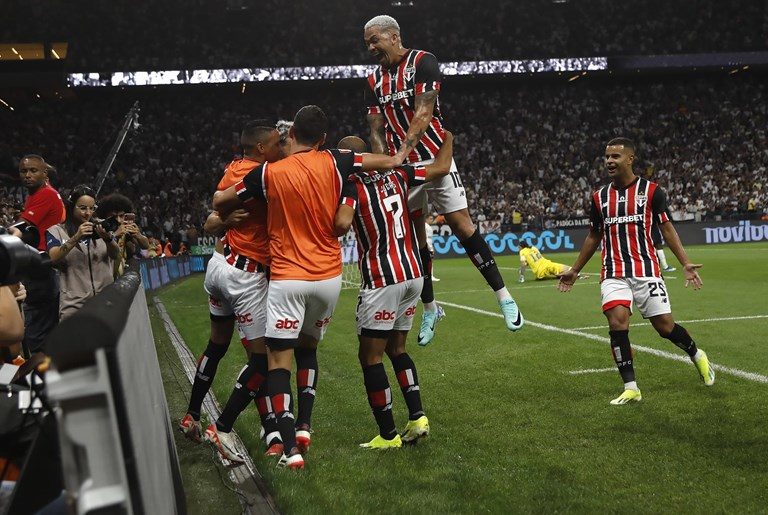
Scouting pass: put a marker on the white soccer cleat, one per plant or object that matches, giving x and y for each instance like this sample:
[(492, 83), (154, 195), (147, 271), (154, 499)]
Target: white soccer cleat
[(223, 443), (512, 316), (294, 460)]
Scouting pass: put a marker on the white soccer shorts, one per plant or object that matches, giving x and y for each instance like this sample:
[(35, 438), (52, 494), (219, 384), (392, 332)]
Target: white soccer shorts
[(390, 307), (232, 291), (649, 294), (295, 307), (446, 195)]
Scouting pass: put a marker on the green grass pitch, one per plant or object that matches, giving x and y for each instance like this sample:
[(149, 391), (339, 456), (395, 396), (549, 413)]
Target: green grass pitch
[(514, 429)]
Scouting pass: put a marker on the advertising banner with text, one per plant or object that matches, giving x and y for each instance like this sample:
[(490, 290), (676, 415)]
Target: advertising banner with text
[(570, 240)]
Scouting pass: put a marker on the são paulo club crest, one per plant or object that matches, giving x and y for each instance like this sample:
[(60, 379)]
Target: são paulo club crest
[(409, 72), (641, 200)]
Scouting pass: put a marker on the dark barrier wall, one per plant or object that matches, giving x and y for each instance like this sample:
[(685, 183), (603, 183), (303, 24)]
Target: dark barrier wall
[(117, 444), (570, 240)]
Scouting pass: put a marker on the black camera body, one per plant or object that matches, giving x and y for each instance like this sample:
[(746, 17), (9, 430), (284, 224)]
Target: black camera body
[(29, 233), (18, 260), (109, 224)]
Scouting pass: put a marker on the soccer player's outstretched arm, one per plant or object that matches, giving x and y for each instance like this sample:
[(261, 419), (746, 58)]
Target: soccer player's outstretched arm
[(226, 201), (346, 210), (216, 225), (376, 124), (251, 187), (380, 162), (343, 220), (661, 217), (676, 246), (423, 112), (427, 89), (443, 160), (589, 247)]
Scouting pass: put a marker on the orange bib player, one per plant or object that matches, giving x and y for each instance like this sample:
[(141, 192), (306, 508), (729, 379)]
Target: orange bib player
[(236, 284), (302, 194)]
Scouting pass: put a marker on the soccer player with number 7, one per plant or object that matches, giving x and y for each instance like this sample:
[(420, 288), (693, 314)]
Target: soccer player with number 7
[(622, 217), (392, 278)]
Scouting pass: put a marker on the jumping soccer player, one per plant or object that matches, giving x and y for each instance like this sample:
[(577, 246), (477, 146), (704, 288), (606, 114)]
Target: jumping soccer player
[(302, 192), (622, 218), (405, 120), (391, 283)]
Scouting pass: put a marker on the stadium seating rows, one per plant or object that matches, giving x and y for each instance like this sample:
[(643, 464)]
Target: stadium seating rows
[(184, 34), (531, 146)]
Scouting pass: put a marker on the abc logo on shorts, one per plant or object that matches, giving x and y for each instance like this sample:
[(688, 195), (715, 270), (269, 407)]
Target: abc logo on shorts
[(287, 324)]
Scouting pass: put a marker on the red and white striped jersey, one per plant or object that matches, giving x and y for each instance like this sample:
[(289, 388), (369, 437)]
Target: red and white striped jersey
[(386, 241), (626, 217), (392, 93)]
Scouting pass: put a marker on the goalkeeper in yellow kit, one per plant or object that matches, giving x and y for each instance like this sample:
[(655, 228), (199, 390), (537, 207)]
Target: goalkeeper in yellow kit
[(541, 267)]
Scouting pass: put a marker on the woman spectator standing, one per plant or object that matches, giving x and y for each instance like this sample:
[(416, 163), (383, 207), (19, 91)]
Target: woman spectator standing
[(82, 251)]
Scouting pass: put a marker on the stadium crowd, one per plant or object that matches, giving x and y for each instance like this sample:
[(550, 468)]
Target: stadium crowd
[(184, 34), (529, 153)]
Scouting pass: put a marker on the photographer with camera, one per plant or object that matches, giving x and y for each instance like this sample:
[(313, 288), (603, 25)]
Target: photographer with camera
[(42, 209), (83, 250), (128, 235)]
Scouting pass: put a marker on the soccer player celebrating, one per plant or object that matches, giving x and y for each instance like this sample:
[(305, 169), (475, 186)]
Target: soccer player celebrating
[(404, 118), (391, 283), (236, 283), (302, 192), (622, 217), (541, 267)]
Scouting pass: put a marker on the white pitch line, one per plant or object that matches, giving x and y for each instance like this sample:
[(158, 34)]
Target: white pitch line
[(722, 319), (751, 376), (591, 371)]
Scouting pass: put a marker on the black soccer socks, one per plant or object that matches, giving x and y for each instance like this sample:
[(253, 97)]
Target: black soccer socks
[(206, 371), (622, 355), (380, 399), (266, 414), (409, 384), (279, 387), (251, 377), (680, 337), (479, 253), (427, 291), (306, 383)]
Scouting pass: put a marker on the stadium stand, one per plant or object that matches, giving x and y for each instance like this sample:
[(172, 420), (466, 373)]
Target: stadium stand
[(185, 34), (530, 147)]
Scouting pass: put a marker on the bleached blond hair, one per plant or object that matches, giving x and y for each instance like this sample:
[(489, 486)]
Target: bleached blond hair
[(384, 21)]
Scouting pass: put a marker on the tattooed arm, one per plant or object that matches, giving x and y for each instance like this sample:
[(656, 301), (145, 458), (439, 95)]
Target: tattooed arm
[(378, 142), (424, 108)]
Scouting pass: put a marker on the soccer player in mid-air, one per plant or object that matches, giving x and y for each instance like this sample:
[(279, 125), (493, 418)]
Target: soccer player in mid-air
[(404, 119), (391, 283), (302, 192), (622, 217), (542, 268)]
